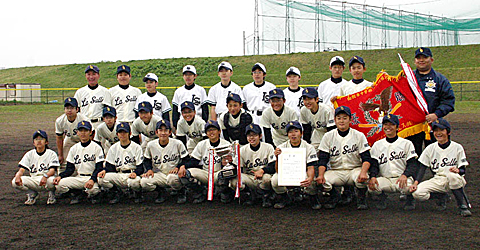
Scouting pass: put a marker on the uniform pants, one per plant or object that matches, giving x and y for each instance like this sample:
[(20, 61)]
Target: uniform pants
[(202, 175), (438, 184), (120, 180), (77, 182), (252, 183), (390, 185), (342, 178), (311, 190), (33, 183), (160, 179)]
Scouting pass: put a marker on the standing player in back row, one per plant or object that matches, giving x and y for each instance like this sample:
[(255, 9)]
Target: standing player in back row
[(331, 87), (160, 104), (256, 92), (357, 84), (293, 94)]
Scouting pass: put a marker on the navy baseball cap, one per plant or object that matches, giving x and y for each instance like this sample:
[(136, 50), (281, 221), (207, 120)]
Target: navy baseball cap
[(391, 118), (71, 101), (442, 124), (310, 92), (260, 67), (294, 124), (187, 104), (423, 51), (234, 97), (355, 59), (253, 128), (41, 133), (92, 68), (123, 68), (163, 123), (123, 126), (145, 106), (212, 123), (109, 111), (84, 124), (343, 109), (278, 93)]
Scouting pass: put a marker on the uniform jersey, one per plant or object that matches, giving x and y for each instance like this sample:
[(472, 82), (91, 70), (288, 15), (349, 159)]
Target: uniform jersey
[(159, 103), (165, 158), (294, 99), (278, 124), (350, 87), (148, 130), (311, 152), (392, 157), (106, 136), (39, 164), (252, 161), (441, 160), (217, 95), (85, 158), (194, 132), (197, 95), (202, 150), (256, 97), (319, 121), (64, 127), (328, 89), (91, 101), (125, 158), (124, 100), (232, 121), (344, 151)]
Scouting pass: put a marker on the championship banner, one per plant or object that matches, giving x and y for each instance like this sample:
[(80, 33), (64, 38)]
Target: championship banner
[(211, 174), (388, 94)]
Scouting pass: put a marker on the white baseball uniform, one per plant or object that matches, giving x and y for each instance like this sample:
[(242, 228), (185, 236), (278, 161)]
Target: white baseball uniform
[(217, 95), (91, 102), (159, 103), (197, 95), (257, 99), (148, 130), (65, 127), (201, 153), (328, 89), (350, 87), (37, 165), (294, 99), (106, 136), (124, 100), (319, 121), (278, 123), (194, 131)]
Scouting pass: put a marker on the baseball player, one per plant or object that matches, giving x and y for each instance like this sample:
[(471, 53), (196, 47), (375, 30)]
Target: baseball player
[(217, 93), (66, 128), (123, 166), (159, 102), (394, 162), (91, 97), (315, 116), (293, 94), (84, 161), (191, 128), (256, 92), (331, 87), (275, 118), (448, 162), (294, 130), (234, 121), (163, 159), (145, 124), (42, 164), (190, 92), (105, 133), (123, 95), (348, 153), (357, 68)]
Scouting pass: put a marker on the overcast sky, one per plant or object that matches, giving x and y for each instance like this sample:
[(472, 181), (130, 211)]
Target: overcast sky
[(53, 32)]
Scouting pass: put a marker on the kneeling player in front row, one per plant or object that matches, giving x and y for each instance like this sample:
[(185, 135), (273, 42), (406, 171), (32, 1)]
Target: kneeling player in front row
[(348, 153), (164, 158), (447, 160), (42, 163), (394, 162), (234, 121), (123, 166)]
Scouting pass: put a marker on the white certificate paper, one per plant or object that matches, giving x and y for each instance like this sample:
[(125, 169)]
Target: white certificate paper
[(292, 166)]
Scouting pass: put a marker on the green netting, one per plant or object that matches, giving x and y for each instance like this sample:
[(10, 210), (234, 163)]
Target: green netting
[(387, 20)]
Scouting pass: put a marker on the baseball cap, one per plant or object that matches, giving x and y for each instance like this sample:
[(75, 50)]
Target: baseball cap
[(226, 65), (212, 123), (163, 123), (337, 60), (253, 128), (150, 76), (293, 70), (423, 51), (84, 124), (93, 68), (71, 101), (343, 109), (123, 126), (189, 68), (278, 93), (41, 133), (145, 106), (109, 111), (234, 97), (123, 68), (355, 59), (310, 92), (294, 124), (391, 118), (442, 124), (260, 67), (187, 104)]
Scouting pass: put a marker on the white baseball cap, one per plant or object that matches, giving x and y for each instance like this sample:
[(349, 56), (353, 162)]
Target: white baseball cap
[(189, 68), (259, 65), (293, 70), (226, 65), (337, 59), (150, 76)]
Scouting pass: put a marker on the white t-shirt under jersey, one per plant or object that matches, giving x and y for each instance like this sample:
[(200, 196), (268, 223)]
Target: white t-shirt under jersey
[(217, 95), (328, 89)]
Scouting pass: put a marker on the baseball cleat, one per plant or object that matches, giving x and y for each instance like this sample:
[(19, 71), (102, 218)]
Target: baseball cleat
[(463, 211), (51, 198), (75, 200), (31, 198)]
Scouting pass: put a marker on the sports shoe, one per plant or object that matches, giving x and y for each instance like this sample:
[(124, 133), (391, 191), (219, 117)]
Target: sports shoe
[(51, 198), (409, 204), (382, 202), (442, 202), (116, 197), (463, 211), (75, 200), (181, 196), (267, 200), (282, 200), (31, 198), (362, 199), (138, 197), (314, 202)]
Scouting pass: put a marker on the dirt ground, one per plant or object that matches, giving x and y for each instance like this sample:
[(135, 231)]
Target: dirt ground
[(213, 224)]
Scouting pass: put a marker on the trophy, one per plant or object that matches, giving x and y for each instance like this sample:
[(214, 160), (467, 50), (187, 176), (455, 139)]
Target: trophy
[(230, 170)]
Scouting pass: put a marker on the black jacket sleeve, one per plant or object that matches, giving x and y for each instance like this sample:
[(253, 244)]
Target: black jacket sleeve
[(109, 168), (98, 169), (268, 136), (184, 161), (323, 158), (307, 132), (366, 156), (166, 116), (136, 139), (331, 128), (183, 139), (147, 164), (374, 168), (68, 171), (245, 106), (420, 173), (412, 167), (139, 170), (193, 163), (205, 112), (175, 115), (270, 168)]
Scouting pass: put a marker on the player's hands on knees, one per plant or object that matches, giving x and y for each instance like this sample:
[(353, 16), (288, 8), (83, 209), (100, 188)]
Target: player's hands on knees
[(148, 174), (454, 170), (333, 99), (413, 187), (258, 174), (277, 151), (89, 184), (362, 177), (132, 175), (43, 181), (182, 171), (373, 183), (320, 179), (18, 180), (173, 171), (402, 181), (101, 174), (307, 182), (226, 160), (56, 180)]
